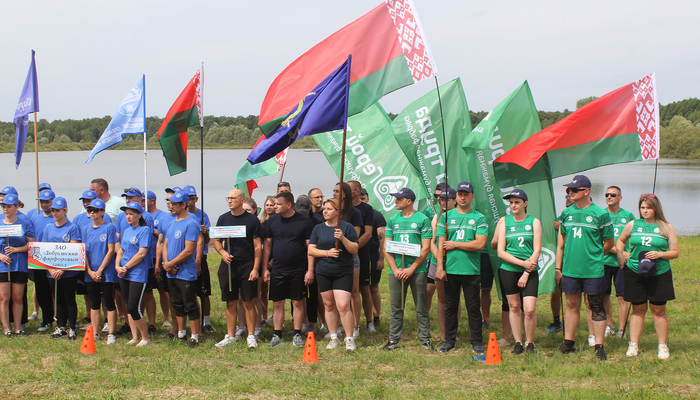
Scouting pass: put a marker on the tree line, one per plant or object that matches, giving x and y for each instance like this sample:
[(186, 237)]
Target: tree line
[(680, 131)]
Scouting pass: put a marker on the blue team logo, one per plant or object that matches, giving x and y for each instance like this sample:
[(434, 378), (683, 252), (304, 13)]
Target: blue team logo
[(624, 220), (66, 238), (471, 222), (589, 219), (528, 228), (134, 240), (656, 230), (178, 234), (103, 237), (414, 225)]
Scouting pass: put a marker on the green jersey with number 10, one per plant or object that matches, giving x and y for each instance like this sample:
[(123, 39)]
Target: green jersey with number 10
[(585, 230), (462, 228), (408, 230)]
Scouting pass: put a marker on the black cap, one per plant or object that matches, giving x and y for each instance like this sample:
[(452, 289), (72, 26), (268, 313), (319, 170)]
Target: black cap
[(449, 193), (465, 186), (516, 193), (579, 181), (405, 193)]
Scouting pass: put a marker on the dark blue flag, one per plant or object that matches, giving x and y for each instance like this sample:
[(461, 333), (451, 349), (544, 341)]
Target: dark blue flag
[(325, 109), (28, 103)]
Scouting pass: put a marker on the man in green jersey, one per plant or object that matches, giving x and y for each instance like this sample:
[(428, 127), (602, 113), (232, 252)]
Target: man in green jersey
[(411, 227), (587, 234), (463, 240)]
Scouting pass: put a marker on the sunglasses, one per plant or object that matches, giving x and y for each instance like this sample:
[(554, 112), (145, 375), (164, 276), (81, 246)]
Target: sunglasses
[(92, 210), (613, 195), (650, 195), (576, 190), (437, 196), (283, 184)]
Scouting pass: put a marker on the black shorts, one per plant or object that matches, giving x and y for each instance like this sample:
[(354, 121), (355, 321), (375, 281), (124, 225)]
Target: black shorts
[(183, 298), (287, 286), (240, 271), (365, 272), (590, 286), (152, 281), (655, 289), (509, 282), (15, 277), (204, 280), (164, 281), (486, 272), (375, 275), (81, 288), (326, 283), (614, 275)]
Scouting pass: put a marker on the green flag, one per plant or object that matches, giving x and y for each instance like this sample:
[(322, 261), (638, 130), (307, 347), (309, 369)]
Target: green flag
[(372, 157), (419, 132), (511, 122)]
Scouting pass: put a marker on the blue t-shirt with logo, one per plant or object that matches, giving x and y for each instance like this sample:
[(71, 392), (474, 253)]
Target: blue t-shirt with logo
[(177, 233), (122, 226), (96, 241), (134, 239), (18, 261)]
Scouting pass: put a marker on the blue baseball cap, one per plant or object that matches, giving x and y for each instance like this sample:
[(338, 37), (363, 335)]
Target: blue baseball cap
[(151, 195), (59, 203), (132, 192), (172, 189), (405, 193), (97, 203), (47, 194), (465, 187), (519, 193), (190, 190), (449, 193), (9, 190), (44, 186), (579, 181), (88, 195), (179, 197), (10, 199), (134, 205)]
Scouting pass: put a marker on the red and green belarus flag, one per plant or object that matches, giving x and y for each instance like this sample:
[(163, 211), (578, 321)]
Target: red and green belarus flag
[(621, 126), (185, 112), (389, 51)]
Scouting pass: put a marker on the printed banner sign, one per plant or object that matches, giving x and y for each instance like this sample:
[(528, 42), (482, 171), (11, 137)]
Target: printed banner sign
[(408, 249), (66, 256), (222, 232), (11, 230)]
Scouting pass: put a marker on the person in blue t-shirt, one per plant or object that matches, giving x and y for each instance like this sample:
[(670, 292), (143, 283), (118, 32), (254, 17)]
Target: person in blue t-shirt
[(204, 278), (132, 268), (154, 275), (42, 288), (100, 238)]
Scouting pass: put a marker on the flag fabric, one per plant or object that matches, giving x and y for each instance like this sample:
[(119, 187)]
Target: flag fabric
[(389, 49), (130, 119), (185, 112), (373, 158), (418, 129), (511, 122), (245, 178), (621, 126), (28, 103), (324, 109)]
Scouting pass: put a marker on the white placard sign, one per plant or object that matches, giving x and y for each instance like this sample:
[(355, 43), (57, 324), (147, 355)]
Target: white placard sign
[(408, 249), (66, 256), (11, 230), (223, 232)]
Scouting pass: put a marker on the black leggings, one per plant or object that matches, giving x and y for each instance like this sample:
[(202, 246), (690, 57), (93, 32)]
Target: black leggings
[(132, 292), (66, 307), (106, 289), (43, 296)]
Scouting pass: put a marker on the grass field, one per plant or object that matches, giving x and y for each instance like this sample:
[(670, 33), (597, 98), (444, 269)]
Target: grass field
[(37, 367)]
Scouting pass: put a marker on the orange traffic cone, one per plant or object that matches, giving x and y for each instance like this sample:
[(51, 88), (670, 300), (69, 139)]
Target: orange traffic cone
[(493, 354), (88, 346), (310, 355)]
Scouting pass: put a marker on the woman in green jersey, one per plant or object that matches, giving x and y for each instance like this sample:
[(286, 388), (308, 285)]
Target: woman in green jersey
[(647, 271), (519, 246)]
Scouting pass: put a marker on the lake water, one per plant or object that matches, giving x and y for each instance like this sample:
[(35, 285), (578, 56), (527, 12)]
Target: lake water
[(68, 174)]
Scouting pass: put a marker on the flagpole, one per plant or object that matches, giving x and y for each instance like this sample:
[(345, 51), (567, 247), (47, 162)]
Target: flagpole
[(201, 139), (342, 192), (36, 155), (283, 167), (656, 169), (145, 146), (444, 147)]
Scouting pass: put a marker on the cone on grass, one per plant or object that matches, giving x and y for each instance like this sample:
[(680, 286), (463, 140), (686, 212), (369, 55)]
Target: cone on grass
[(88, 346), (310, 354), (493, 354)]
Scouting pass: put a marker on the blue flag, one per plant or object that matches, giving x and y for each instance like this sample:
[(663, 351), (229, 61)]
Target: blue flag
[(325, 109), (130, 119), (28, 103)]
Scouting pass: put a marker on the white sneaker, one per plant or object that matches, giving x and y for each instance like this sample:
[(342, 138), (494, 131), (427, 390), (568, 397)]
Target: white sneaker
[(225, 342), (502, 342), (664, 354), (34, 316), (327, 336), (591, 341), (133, 341), (239, 331), (356, 332), (111, 339), (350, 344), (609, 330), (257, 331), (333, 344), (341, 329), (633, 349), (323, 328), (143, 343), (371, 328), (105, 329), (252, 342)]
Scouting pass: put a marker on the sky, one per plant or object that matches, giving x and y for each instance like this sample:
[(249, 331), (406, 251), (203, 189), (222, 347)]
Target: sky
[(89, 54)]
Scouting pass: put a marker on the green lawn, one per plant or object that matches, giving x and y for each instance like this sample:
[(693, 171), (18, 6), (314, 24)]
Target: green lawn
[(37, 367)]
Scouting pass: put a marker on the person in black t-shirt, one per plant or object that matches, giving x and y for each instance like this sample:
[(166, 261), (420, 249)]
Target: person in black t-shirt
[(287, 238), (376, 256), (316, 196), (363, 273), (240, 266)]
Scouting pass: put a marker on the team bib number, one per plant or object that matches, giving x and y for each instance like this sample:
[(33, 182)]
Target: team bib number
[(577, 232), (460, 234), (617, 232), (521, 241), (403, 239), (646, 241)]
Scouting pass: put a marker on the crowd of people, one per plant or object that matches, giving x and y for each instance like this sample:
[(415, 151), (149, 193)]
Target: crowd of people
[(327, 257)]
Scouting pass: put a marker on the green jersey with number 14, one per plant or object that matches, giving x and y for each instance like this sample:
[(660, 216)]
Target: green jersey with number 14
[(463, 228), (585, 230), (408, 230)]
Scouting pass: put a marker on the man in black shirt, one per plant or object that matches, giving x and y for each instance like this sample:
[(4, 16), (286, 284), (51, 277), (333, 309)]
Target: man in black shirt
[(316, 196), (240, 260), (363, 275), (287, 234), (376, 256)]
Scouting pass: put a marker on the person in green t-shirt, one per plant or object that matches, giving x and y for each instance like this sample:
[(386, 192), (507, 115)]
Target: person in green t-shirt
[(447, 201), (587, 235), (653, 242), (519, 250), (555, 297), (405, 272), (460, 267)]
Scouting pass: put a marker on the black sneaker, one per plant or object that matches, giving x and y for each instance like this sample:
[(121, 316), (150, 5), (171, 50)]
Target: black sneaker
[(390, 346), (428, 346), (518, 349), (207, 329), (566, 349), (600, 353), (59, 334), (152, 330), (8, 334), (124, 329), (531, 348), (44, 327), (193, 343), (20, 332), (554, 327), (169, 336), (478, 348), (447, 347)]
